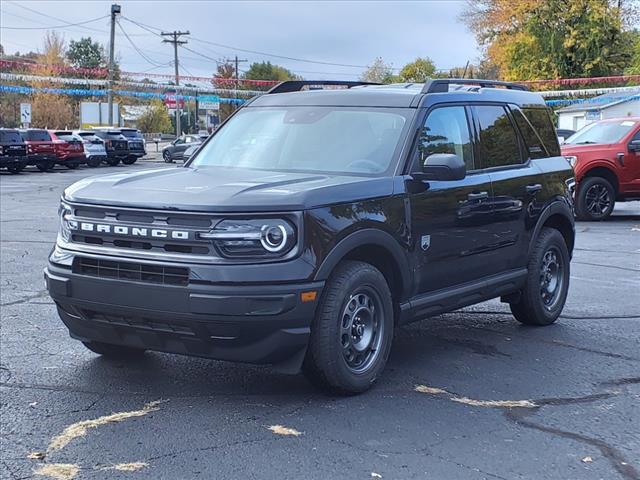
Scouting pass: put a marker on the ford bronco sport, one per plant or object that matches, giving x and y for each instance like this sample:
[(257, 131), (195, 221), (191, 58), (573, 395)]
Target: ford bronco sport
[(313, 222)]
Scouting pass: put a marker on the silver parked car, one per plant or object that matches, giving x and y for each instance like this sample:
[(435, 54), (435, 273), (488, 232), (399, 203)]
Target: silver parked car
[(175, 150), (94, 148)]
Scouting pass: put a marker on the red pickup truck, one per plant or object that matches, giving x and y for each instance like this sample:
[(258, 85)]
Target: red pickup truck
[(606, 158)]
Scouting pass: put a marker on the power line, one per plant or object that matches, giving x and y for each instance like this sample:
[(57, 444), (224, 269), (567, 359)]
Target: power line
[(175, 40), (140, 52), (57, 26), (24, 7)]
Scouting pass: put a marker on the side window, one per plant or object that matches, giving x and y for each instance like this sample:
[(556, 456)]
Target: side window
[(535, 147), (636, 136), (499, 145), (446, 130), (540, 119)]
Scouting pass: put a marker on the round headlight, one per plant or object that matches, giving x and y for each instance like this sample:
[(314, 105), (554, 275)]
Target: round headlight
[(274, 237)]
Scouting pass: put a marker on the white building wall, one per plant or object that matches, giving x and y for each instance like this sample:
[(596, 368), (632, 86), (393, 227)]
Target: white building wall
[(577, 119)]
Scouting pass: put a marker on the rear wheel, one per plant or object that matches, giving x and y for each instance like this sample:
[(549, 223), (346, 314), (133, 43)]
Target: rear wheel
[(94, 162), (129, 160), (545, 293), (167, 156), (352, 331), (113, 161), (71, 166), (46, 166), (113, 351), (596, 199)]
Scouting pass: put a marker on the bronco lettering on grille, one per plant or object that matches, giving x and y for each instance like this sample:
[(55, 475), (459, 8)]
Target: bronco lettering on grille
[(129, 231)]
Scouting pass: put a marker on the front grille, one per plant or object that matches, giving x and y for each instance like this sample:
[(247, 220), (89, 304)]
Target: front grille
[(140, 323), (188, 224), (139, 272)]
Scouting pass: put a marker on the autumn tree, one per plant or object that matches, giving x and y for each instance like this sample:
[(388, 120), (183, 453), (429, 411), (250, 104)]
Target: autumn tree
[(418, 71), (531, 39), (378, 72), (156, 119), (634, 64)]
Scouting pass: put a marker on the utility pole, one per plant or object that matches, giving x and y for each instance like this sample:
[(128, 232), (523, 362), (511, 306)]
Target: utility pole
[(175, 39), (115, 10), (237, 76)]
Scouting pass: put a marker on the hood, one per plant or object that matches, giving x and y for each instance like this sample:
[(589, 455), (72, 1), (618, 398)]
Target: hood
[(590, 148), (225, 189)]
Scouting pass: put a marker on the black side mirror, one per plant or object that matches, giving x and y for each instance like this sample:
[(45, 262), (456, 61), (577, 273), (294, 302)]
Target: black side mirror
[(443, 166), (634, 146)]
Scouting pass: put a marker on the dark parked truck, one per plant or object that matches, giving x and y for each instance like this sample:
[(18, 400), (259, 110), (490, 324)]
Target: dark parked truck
[(13, 150), (40, 149), (136, 145), (116, 145), (314, 222)]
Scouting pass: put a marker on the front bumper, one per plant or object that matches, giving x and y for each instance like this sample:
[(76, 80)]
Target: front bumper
[(137, 153), (267, 323), (117, 154)]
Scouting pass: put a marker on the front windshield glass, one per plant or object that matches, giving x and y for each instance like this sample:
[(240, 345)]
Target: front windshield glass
[(351, 140), (605, 132)]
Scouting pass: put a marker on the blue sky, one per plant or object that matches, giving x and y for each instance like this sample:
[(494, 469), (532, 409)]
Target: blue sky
[(348, 33)]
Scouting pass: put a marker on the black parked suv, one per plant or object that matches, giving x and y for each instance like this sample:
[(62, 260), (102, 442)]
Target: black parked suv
[(116, 145), (137, 145), (312, 223), (13, 150)]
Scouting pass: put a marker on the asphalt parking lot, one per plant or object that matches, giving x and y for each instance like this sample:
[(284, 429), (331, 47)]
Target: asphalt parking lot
[(467, 395)]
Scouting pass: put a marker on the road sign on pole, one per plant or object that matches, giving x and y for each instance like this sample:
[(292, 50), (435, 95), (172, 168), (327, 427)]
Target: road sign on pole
[(25, 114)]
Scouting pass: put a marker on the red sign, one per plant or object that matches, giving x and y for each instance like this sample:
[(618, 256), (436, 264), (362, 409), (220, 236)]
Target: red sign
[(170, 101)]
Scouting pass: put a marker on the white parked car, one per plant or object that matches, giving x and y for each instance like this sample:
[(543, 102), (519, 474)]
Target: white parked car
[(94, 148)]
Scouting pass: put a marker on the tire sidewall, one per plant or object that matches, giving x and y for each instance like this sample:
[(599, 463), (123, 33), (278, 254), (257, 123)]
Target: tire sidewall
[(348, 380), (581, 203), (550, 238)]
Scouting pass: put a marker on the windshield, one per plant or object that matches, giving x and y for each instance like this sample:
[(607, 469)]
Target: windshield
[(308, 139), (67, 136), (131, 133), (605, 132), (36, 136), (10, 136)]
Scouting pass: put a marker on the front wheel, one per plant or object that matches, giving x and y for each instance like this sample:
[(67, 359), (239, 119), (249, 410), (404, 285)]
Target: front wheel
[(596, 199), (129, 160), (352, 331), (16, 168), (113, 161), (94, 162), (167, 156), (71, 166), (545, 293), (113, 351)]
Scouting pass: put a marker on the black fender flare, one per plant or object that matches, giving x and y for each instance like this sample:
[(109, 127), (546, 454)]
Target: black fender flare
[(558, 207), (367, 236)]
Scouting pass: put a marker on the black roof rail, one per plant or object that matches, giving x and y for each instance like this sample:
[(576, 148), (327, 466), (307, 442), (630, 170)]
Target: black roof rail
[(297, 85), (441, 85)]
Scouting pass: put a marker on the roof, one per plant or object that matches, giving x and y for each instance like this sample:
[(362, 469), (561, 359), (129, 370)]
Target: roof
[(393, 95), (602, 102)]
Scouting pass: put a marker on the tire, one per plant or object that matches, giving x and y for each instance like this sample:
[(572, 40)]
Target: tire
[(94, 162), (167, 156), (545, 293), (596, 199), (15, 169), (46, 166), (129, 160), (71, 166), (333, 361), (113, 351), (113, 161)]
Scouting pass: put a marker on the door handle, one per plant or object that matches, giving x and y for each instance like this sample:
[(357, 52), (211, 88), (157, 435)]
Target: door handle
[(478, 196), (533, 188)]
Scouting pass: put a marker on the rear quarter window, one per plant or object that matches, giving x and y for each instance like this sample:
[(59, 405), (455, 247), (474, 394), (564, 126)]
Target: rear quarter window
[(540, 120)]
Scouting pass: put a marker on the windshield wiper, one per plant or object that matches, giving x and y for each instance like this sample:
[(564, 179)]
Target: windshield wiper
[(587, 142)]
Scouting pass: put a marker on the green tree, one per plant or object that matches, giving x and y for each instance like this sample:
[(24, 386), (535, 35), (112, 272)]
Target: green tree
[(378, 72), (86, 53), (156, 119), (418, 71), (269, 71), (634, 65)]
